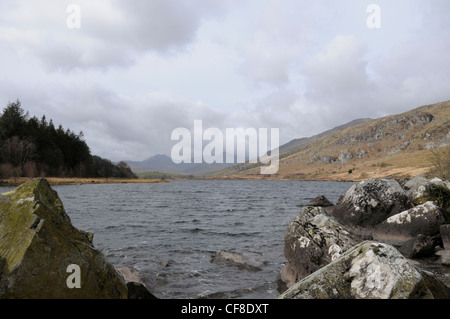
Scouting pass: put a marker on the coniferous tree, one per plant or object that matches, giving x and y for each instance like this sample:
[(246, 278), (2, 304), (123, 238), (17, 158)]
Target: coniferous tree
[(31, 147)]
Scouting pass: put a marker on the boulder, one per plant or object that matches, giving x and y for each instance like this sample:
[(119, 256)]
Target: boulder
[(445, 235), (415, 182), (42, 255), (370, 270), (424, 219), (423, 190), (313, 240), (321, 201), (370, 202)]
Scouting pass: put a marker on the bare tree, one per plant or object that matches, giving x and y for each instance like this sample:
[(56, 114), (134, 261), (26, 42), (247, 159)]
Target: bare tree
[(440, 159)]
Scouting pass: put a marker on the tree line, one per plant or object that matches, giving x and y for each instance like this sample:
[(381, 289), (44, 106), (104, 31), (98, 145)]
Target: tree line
[(32, 147)]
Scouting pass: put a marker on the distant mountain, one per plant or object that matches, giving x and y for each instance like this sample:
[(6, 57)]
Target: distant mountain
[(392, 146), (164, 164)]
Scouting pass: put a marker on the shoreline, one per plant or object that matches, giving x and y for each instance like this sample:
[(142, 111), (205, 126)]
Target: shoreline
[(16, 181)]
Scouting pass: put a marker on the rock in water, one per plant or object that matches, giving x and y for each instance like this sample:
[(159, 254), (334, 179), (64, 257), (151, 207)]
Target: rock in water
[(43, 256), (137, 289), (321, 201), (370, 270)]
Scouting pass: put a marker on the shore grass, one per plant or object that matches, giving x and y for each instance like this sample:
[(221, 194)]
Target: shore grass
[(16, 181)]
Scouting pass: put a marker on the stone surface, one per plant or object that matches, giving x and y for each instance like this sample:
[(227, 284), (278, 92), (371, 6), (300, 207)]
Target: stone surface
[(38, 245), (321, 201), (313, 240), (370, 202), (370, 270), (423, 219)]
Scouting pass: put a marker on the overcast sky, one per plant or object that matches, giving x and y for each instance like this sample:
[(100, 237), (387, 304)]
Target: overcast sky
[(136, 70)]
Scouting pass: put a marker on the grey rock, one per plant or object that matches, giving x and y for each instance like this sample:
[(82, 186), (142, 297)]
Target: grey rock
[(137, 289), (415, 182), (313, 240), (445, 235), (369, 270), (444, 257), (370, 202), (43, 254), (321, 201), (418, 247), (421, 190), (344, 156), (424, 219)]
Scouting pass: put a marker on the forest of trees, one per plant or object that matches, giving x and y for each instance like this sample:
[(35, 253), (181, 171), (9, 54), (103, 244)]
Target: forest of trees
[(30, 147)]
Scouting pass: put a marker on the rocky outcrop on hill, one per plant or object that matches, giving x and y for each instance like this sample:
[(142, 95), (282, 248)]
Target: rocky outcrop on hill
[(379, 210), (43, 256)]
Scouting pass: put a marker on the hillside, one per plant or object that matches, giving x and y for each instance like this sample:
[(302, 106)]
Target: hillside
[(393, 146)]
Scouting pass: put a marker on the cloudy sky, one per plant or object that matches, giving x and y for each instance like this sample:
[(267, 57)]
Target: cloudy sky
[(133, 71)]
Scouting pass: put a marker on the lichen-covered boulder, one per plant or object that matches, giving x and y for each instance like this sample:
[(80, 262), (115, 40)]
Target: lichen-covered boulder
[(42, 255), (370, 270), (313, 240), (424, 219), (424, 190), (370, 202)]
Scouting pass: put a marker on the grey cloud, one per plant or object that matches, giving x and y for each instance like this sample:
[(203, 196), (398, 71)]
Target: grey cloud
[(112, 33)]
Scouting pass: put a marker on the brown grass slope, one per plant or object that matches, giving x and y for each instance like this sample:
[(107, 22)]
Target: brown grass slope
[(394, 146)]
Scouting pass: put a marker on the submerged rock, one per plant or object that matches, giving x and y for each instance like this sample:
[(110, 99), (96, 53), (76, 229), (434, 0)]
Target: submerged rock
[(370, 270), (240, 261), (43, 256)]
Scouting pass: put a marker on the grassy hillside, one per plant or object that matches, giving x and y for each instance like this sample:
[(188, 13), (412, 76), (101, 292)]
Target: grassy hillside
[(393, 146)]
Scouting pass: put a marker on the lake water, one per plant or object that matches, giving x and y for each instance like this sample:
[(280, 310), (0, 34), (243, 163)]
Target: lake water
[(170, 231)]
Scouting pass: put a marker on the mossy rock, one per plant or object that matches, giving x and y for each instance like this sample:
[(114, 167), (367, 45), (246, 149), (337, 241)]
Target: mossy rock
[(38, 243)]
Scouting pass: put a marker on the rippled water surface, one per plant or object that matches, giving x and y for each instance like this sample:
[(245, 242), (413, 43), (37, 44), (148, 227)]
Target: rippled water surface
[(170, 231)]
